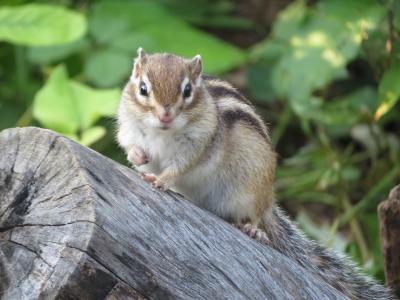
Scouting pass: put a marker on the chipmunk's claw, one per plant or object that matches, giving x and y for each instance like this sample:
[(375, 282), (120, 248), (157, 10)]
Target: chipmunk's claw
[(148, 177), (161, 185), (254, 232), (155, 182)]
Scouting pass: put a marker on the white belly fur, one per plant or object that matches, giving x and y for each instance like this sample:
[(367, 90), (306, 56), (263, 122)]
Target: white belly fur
[(207, 185)]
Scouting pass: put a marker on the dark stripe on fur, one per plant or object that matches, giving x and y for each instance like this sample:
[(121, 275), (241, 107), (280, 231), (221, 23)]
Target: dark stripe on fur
[(220, 91), (209, 77), (230, 117)]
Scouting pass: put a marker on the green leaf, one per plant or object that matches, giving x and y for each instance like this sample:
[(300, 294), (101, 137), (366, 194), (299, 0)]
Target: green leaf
[(55, 106), (91, 135), (108, 68), (129, 42), (312, 47), (149, 25), (51, 54), (358, 16), (389, 90), (269, 50), (92, 104), (69, 107), (209, 14), (348, 109), (40, 25), (290, 19), (259, 87), (9, 114)]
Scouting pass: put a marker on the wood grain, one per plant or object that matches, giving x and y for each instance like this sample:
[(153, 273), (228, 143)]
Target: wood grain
[(77, 225)]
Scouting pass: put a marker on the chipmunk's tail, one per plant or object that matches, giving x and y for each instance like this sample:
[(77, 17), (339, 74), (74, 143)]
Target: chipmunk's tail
[(333, 268)]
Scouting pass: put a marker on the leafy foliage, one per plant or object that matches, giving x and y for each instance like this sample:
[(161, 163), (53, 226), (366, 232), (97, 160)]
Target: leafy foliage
[(40, 25), (389, 90), (72, 108), (326, 78), (139, 26), (310, 48), (307, 63)]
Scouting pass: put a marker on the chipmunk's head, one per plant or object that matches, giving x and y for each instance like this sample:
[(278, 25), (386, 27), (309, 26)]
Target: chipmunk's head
[(165, 89)]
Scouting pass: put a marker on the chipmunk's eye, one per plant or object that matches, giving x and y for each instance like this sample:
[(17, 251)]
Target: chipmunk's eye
[(187, 90), (143, 89)]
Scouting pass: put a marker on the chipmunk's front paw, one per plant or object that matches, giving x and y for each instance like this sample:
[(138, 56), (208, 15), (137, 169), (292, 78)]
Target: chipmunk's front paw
[(137, 156), (148, 177), (254, 232), (161, 185)]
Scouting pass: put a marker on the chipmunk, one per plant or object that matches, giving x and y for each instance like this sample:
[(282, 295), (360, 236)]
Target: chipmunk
[(199, 136)]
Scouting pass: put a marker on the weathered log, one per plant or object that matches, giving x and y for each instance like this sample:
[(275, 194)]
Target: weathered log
[(389, 217), (77, 225)]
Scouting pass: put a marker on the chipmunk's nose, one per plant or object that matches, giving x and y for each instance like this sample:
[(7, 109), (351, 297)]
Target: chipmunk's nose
[(166, 117)]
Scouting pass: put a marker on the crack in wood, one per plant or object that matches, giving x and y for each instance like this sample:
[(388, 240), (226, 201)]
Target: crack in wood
[(49, 149), (104, 266), (137, 238), (4, 229), (31, 250), (49, 199)]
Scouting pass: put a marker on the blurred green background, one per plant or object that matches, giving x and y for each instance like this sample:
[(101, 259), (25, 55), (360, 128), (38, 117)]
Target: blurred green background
[(325, 75)]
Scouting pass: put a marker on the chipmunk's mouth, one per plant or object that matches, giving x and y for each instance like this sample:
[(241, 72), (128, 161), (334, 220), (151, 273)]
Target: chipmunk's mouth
[(176, 124), (165, 126)]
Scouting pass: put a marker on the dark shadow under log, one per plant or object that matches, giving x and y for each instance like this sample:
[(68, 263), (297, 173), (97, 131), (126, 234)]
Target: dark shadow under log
[(77, 225)]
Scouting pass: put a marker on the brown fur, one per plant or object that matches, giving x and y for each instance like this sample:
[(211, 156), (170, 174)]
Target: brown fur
[(165, 73), (226, 142), (198, 95), (237, 121)]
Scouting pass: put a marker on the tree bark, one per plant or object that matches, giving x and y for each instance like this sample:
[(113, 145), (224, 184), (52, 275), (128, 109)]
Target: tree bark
[(389, 215), (77, 225)]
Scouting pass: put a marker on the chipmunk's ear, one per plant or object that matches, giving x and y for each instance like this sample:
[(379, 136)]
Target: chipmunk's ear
[(141, 55), (195, 67), (140, 60)]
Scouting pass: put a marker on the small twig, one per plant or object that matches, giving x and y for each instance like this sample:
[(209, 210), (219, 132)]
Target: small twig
[(373, 193), (346, 205), (355, 227), (21, 71), (283, 123), (392, 32), (357, 233)]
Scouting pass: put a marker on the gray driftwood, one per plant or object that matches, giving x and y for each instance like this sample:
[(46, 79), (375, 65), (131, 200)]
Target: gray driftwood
[(76, 225), (389, 215)]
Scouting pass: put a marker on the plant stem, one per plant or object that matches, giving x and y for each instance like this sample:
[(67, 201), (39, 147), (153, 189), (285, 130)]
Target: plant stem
[(392, 32), (21, 71), (343, 198), (333, 231), (357, 233), (373, 193), (26, 118), (282, 124)]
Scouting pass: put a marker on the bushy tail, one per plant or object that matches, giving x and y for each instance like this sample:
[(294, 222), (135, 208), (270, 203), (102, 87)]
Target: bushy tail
[(334, 269)]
